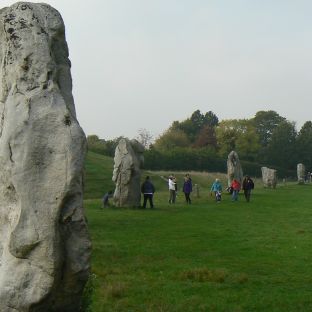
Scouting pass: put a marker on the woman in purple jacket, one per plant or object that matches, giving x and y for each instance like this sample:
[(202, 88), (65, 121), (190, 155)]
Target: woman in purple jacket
[(187, 188)]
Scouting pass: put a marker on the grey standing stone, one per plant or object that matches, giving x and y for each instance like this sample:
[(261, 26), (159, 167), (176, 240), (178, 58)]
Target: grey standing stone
[(44, 242), (269, 177), (301, 173), (128, 162), (234, 168)]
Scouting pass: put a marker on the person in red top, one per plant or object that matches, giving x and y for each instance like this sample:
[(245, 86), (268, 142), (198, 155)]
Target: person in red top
[(235, 185)]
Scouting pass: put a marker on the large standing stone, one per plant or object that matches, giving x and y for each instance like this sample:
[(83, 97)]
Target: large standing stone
[(269, 177), (234, 168), (44, 243), (128, 162), (301, 173)]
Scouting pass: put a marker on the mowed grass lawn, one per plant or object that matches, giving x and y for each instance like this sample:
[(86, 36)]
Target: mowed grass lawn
[(232, 256)]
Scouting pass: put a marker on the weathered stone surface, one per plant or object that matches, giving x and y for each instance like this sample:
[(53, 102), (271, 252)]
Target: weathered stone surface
[(44, 243), (234, 168), (128, 162), (269, 177), (301, 173)]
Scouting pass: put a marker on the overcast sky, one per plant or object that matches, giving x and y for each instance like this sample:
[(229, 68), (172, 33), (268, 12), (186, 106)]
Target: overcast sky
[(141, 64)]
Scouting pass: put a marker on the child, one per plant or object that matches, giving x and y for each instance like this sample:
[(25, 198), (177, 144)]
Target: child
[(217, 189)]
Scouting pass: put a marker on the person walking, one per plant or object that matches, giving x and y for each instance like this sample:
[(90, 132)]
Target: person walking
[(148, 190), (217, 189), (248, 185), (235, 185), (187, 188)]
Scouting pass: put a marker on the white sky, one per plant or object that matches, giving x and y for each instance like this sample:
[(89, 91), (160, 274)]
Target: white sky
[(141, 64)]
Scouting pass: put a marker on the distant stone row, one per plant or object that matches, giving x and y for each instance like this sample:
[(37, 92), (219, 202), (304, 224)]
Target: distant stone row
[(129, 160)]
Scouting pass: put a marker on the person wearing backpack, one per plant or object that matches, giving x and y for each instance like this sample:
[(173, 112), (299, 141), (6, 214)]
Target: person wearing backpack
[(248, 185)]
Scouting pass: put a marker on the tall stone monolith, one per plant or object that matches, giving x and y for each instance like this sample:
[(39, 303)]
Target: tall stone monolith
[(44, 243), (269, 177), (128, 162), (234, 168), (301, 173)]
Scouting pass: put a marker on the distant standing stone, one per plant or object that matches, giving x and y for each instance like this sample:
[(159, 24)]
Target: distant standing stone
[(301, 173), (128, 162), (234, 168), (269, 177)]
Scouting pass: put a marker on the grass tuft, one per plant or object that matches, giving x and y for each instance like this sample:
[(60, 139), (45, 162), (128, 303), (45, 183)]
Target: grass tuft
[(115, 290), (205, 275)]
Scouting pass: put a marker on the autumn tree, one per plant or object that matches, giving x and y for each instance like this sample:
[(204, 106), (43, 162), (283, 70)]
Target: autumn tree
[(170, 139), (206, 138)]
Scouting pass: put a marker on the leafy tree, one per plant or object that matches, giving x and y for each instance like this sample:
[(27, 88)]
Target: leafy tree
[(172, 138), (247, 143), (304, 145), (101, 146), (93, 138), (193, 125), (206, 137), (239, 135), (211, 119), (282, 146), (227, 134), (265, 122)]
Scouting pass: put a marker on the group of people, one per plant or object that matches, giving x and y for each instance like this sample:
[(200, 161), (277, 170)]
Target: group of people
[(233, 189), (148, 190)]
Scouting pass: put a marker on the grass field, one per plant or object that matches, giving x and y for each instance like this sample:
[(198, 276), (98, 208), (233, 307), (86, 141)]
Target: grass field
[(232, 256)]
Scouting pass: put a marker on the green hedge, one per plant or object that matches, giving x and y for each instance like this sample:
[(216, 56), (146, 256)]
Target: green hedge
[(179, 159)]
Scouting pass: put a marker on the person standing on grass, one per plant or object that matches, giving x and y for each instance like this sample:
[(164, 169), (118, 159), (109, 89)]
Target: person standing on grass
[(235, 185), (217, 189), (187, 188), (248, 185), (106, 198), (148, 190), (172, 185)]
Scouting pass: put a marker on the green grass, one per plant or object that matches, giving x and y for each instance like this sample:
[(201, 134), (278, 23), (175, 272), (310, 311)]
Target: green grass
[(232, 256)]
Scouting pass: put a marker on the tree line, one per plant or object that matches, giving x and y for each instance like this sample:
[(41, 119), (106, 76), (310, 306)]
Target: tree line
[(202, 142)]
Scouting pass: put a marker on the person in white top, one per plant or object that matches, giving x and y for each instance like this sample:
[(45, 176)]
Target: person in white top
[(172, 189)]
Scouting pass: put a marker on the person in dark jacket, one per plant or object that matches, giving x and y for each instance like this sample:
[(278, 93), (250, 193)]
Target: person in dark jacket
[(148, 190), (187, 188), (248, 185), (106, 198)]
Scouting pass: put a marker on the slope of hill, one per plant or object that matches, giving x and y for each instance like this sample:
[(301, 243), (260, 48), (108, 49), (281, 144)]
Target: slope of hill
[(98, 175)]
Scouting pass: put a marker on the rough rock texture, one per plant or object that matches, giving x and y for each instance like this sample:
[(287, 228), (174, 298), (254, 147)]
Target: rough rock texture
[(44, 243), (234, 168), (269, 177), (128, 162), (301, 172)]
